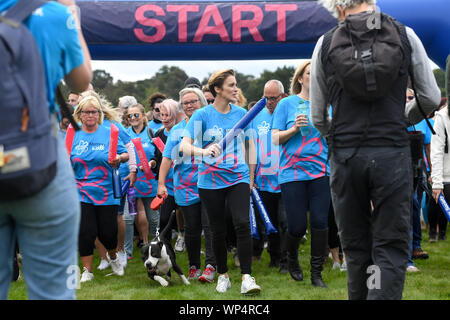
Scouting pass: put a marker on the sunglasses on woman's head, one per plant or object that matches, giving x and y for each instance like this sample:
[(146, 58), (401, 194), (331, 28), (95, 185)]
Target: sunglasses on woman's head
[(136, 115)]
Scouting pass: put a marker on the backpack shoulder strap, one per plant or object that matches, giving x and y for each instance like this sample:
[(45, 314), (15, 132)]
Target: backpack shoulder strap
[(22, 9), (326, 46)]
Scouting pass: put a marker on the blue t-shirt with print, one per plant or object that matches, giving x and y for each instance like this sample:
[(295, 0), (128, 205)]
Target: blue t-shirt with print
[(210, 126), (302, 157), (89, 158), (155, 126), (268, 154), (57, 40), (169, 178), (144, 188), (185, 169)]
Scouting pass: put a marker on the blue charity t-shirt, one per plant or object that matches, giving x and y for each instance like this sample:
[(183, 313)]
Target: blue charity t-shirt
[(268, 154), (57, 40), (169, 178), (155, 126), (89, 158), (423, 127), (144, 188), (207, 125), (302, 157), (185, 169)]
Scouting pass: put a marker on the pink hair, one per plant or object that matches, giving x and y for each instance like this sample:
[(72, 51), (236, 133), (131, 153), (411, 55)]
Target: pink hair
[(171, 107)]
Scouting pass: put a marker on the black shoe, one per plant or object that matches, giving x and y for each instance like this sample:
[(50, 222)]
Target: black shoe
[(318, 282), (442, 237)]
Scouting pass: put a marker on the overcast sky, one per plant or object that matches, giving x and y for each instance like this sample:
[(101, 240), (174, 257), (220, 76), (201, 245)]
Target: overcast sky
[(140, 70)]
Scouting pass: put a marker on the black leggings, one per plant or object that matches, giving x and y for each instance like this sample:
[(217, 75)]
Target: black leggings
[(165, 211), (435, 215), (97, 221), (196, 219), (237, 198)]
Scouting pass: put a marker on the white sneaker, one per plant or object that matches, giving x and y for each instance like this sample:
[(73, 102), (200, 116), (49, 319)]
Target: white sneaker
[(249, 285), (412, 269), (223, 284), (336, 265), (123, 258), (86, 275), (103, 264), (179, 244), (117, 267), (344, 266)]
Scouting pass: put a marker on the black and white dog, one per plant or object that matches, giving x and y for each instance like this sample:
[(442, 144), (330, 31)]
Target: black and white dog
[(159, 257)]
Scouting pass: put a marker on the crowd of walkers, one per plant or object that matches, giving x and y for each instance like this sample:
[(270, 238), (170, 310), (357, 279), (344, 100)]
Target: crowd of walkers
[(324, 169)]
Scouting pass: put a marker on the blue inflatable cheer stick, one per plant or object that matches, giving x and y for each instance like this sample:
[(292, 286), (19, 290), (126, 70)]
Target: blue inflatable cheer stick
[(240, 126), (125, 187), (444, 206), (253, 228), (263, 212)]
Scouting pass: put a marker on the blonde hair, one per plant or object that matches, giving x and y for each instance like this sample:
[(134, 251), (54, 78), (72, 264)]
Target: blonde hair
[(110, 113), (296, 87), (141, 110), (90, 100), (171, 107), (241, 100)]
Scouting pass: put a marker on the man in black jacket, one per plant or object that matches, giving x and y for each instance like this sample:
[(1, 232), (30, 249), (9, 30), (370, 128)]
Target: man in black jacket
[(370, 160)]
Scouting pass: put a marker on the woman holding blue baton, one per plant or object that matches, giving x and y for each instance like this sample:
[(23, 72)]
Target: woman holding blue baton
[(224, 176)]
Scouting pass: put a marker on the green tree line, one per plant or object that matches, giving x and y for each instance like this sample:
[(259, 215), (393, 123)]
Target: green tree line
[(170, 80)]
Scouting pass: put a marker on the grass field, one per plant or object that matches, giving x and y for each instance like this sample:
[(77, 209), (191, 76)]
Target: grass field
[(431, 283)]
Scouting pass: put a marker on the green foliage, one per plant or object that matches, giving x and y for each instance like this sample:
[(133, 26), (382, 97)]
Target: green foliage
[(170, 80)]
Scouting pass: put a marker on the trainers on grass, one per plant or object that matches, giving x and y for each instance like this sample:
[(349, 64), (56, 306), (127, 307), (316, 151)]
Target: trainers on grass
[(117, 267), (208, 274), (86, 275), (223, 284), (194, 273), (249, 285)]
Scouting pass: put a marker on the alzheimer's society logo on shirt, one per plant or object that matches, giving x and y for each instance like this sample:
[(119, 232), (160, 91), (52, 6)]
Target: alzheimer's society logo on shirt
[(263, 128), (215, 133), (81, 147)]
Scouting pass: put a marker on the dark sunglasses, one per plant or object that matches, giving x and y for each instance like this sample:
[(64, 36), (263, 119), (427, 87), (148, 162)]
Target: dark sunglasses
[(409, 98), (136, 115), (210, 101)]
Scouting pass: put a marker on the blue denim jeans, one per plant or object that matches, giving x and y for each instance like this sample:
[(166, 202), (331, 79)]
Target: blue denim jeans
[(46, 226), (417, 228)]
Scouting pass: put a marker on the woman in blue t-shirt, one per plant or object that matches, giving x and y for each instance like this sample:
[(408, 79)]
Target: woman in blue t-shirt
[(185, 176), (303, 176), (89, 158), (224, 177), (145, 188)]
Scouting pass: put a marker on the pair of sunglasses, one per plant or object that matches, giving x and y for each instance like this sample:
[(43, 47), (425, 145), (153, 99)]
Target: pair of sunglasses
[(135, 115)]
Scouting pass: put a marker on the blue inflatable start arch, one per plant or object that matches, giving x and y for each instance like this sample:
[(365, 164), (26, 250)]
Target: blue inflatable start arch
[(237, 30)]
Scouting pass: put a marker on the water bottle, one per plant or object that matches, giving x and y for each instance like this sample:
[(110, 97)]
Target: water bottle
[(117, 185), (302, 108), (132, 206)]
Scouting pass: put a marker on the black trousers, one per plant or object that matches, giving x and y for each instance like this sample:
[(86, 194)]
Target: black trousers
[(237, 199), (165, 211), (97, 221), (375, 243), (195, 220)]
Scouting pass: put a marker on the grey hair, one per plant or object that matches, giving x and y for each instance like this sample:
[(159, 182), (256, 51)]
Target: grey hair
[(198, 92), (277, 82), (127, 101), (331, 5)]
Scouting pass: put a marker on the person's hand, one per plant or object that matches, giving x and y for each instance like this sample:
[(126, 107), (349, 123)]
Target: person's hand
[(301, 120), (132, 177), (213, 150), (436, 193), (152, 164), (161, 190), (116, 162)]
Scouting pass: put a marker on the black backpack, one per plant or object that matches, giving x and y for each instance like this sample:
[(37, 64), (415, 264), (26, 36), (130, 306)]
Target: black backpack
[(366, 53), (27, 134)]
